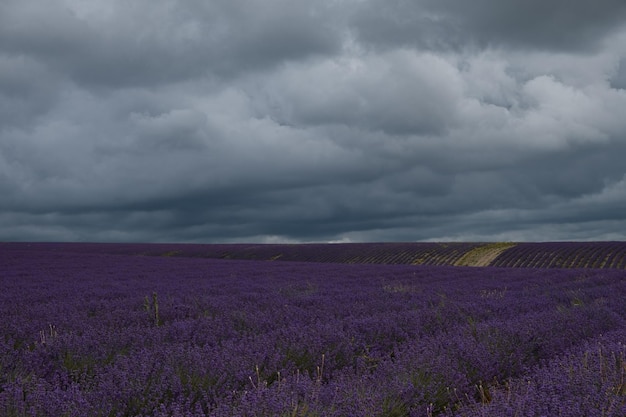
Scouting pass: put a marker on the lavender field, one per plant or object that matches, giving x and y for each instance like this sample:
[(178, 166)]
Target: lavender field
[(96, 330)]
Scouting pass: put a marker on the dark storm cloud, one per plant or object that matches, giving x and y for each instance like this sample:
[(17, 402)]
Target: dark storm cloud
[(27, 90), (149, 43), (530, 24), (619, 79), (299, 121)]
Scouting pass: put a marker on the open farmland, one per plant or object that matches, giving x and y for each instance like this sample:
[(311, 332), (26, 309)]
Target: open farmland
[(95, 330), (502, 254)]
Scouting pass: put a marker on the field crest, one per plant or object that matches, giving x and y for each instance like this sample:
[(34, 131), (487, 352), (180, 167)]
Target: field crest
[(606, 255)]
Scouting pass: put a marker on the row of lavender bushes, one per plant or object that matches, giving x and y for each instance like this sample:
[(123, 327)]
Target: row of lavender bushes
[(86, 334), (564, 255), (376, 253)]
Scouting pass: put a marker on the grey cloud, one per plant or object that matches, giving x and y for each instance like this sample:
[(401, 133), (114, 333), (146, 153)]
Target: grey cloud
[(398, 93), (619, 78), (324, 121), (154, 43), (26, 91), (528, 24)]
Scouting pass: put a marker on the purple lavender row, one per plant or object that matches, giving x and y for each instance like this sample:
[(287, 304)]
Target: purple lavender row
[(587, 381), (383, 253), (564, 255), (88, 334)]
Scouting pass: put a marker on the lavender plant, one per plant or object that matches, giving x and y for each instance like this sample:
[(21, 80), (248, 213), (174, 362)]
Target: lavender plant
[(151, 305)]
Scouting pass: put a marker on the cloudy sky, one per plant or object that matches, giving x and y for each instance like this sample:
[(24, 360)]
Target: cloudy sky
[(325, 120)]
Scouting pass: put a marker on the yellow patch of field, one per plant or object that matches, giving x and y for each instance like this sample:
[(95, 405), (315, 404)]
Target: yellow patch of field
[(483, 255)]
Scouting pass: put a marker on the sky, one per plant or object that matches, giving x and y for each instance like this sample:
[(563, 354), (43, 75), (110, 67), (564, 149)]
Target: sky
[(312, 121)]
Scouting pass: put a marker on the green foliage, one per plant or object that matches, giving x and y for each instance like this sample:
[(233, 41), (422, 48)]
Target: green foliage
[(394, 407)]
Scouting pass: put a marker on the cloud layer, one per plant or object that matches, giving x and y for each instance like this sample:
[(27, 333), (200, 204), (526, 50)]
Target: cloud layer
[(352, 120)]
